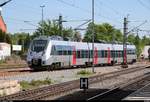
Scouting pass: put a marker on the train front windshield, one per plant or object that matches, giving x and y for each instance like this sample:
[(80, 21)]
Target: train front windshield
[(38, 45)]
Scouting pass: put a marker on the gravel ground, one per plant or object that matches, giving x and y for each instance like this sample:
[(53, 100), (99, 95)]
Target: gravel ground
[(63, 75), (103, 85)]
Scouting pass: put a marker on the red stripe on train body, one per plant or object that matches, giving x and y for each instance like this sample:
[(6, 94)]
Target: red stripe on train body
[(74, 56), (108, 56), (95, 56)]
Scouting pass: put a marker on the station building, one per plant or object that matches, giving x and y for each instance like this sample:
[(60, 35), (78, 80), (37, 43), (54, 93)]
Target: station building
[(5, 48)]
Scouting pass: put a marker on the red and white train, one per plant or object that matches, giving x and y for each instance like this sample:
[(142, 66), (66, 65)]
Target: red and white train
[(45, 52)]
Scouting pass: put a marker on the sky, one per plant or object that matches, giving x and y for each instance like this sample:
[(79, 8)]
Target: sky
[(75, 12)]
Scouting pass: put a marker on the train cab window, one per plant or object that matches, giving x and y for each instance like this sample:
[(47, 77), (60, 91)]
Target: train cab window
[(53, 50), (128, 52)]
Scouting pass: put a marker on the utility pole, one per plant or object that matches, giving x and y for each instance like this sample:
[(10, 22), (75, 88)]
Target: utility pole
[(60, 21), (137, 31), (113, 42), (93, 33), (42, 6), (60, 26), (124, 43)]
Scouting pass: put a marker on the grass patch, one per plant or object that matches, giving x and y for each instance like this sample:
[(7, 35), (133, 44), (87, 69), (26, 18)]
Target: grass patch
[(35, 83), (84, 72), (2, 62)]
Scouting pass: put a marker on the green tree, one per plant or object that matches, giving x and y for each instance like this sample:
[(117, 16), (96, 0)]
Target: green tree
[(77, 37), (49, 28), (102, 32), (4, 37), (21, 39), (145, 40), (131, 38), (138, 45)]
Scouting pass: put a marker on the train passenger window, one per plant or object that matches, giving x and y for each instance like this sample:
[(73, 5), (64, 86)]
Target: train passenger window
[(69, 52), (99, 54), (106, 53), (78, 54), (86, 54), (60, 52), (64, 52), (134, 51), (103, 53), (112, 54), (122, 53), (91, 53), (82, 53), (116, 55)]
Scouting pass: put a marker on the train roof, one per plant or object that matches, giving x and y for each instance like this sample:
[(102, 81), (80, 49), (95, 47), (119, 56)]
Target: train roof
[(60, 40)]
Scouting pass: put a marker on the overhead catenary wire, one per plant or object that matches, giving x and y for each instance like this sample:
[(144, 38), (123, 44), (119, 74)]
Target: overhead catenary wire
[(144, 5), (86, 11), (111, 8)]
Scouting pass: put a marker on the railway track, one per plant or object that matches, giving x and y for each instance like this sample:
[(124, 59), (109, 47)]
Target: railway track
[(54, 90), (9, 67), (22, 69), (14, 71), (123, 90)]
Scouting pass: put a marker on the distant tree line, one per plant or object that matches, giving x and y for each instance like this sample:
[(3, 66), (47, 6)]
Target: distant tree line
[(104, 32)]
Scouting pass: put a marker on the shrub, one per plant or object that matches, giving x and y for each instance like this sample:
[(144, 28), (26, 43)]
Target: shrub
[(84, 72), (35, 83)]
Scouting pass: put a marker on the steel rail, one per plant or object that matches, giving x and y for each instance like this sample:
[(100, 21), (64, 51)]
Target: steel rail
[(119, 86)]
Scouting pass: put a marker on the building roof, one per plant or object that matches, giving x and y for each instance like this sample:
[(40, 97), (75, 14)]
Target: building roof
[(2, 24)]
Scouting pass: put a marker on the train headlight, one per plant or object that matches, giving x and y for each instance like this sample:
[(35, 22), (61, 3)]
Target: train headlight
[(43, 62), (31, 53)]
